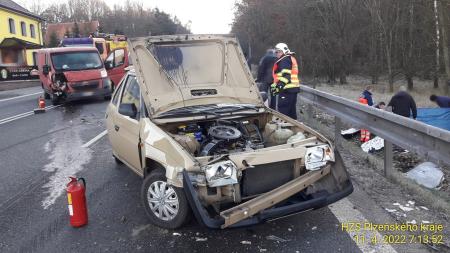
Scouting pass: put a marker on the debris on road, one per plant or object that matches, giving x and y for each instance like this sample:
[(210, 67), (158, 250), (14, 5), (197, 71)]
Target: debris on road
[(176, 234), (375, 144), (427, 174), (349, 133), (246, 242), (405, 208), (412, 222), (276, 238), (314, 228), (201, 239)]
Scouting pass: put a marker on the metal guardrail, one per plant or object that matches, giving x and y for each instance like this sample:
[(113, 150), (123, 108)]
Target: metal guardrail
[(430, 142)]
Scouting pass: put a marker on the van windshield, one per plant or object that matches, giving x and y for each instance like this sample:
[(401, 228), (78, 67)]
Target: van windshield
[(76, 61)]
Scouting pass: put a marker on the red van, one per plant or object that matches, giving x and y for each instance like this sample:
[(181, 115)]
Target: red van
[(69, 73)]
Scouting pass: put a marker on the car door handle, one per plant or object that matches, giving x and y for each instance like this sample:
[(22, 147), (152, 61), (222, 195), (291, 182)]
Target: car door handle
[(116, 127)]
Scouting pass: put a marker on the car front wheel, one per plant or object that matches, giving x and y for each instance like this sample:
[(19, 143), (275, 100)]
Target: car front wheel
[(165, 205)]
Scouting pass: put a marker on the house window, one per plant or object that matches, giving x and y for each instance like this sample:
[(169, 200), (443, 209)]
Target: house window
[(32, 31), (12, 26), (23, 26)]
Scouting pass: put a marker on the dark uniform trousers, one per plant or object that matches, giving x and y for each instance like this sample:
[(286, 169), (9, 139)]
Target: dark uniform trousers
[(287, 103)]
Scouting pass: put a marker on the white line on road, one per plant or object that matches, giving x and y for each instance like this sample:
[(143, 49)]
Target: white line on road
[(7, 99), (95, 139), (345, 213), (23, 115)]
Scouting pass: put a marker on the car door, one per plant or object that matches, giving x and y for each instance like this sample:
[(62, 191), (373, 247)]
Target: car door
[(126, 126), (115, 64), (111, 111)]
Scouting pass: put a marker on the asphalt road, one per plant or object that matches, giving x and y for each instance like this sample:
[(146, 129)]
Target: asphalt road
[(39, 152)]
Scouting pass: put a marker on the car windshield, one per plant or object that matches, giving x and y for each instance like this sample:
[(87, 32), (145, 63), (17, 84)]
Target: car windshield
[(191, 64), (76, 61)]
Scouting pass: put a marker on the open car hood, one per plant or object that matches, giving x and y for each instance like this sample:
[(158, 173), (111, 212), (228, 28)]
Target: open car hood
[(188, 70)]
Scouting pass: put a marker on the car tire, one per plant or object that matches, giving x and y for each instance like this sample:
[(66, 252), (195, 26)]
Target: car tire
[(107, 97), (162, 214)]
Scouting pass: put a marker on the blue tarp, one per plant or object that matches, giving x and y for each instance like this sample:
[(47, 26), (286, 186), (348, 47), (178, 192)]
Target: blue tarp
[(438, 117)]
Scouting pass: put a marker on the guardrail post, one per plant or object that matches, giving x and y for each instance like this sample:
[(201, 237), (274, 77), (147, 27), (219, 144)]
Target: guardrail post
[(337, 131), (309, 112), (388, 155)]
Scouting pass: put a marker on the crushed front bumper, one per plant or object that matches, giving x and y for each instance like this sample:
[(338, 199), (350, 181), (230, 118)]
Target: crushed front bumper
[(289, 207)]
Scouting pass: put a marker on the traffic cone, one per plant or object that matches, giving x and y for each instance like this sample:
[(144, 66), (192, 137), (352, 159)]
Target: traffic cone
[(41, 106)]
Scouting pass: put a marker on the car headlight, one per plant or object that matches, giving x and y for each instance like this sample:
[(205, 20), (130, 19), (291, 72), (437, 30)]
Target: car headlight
[(318, 156), (221, 173), (103, 73)]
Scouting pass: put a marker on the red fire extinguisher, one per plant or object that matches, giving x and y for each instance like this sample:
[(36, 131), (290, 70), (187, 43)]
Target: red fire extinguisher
[(77, 202)]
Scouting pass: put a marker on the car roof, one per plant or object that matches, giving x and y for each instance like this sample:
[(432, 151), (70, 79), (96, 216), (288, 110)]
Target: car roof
[(68, 49)]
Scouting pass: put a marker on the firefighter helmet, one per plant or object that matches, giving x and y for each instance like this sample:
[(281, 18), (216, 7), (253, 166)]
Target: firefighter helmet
[(283, 48)]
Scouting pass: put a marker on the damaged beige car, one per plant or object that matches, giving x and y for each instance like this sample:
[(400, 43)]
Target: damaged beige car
[(189, 119)]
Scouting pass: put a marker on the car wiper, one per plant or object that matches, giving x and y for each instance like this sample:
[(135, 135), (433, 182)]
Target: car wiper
[(235, 108), (183, 113)]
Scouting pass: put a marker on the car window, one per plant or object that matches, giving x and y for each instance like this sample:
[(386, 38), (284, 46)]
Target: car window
[(131, 92), (118, 90), (99, 47), (119, 57)]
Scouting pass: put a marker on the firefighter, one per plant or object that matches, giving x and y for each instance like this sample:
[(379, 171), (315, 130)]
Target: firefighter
[(286, 83), (365, 134)]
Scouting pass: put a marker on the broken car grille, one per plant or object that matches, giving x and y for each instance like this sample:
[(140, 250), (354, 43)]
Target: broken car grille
[(84, 86), (266, 177)]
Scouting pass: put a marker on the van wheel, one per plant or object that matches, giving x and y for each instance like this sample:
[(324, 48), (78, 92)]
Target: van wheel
[(55, 99), (165, 205), (107, 97), (46, 95)]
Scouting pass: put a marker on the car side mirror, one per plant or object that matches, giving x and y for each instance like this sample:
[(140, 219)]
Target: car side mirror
[(108, 65), (45, 69), (129, 110), (34, 72)]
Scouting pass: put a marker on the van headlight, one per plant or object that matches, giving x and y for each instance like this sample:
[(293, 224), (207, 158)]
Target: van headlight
[(318, 156), (103, 73)]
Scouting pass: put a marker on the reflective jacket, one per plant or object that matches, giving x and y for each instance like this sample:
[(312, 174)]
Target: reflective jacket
[(285, 70)]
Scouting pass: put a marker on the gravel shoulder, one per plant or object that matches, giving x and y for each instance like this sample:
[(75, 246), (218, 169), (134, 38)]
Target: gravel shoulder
[(402, 199)]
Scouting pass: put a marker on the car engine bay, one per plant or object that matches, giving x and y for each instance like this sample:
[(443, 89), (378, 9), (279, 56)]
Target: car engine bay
[(225, 136)]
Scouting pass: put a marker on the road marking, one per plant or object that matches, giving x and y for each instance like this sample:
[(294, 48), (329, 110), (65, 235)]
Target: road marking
[(23, 115), (7, 99), (345, 213), (95, 139)]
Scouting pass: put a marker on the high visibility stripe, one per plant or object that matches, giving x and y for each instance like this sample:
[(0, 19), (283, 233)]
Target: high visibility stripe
[(285, 71), (295, 81), (69, 198), (292, 85), (283, 79)]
